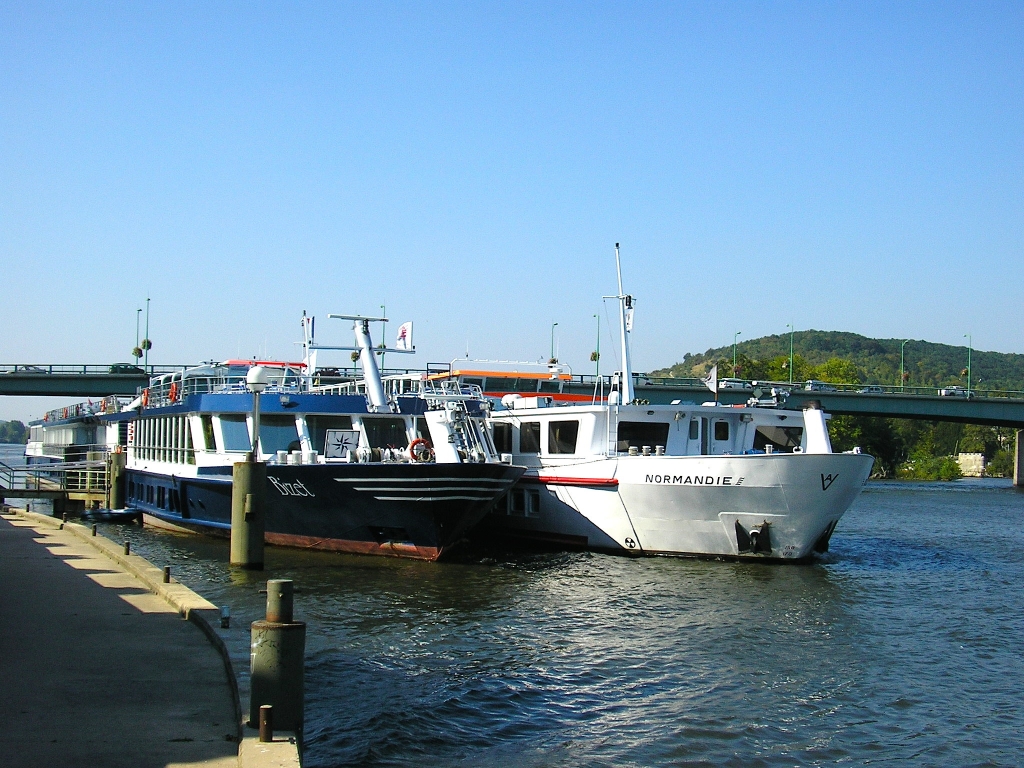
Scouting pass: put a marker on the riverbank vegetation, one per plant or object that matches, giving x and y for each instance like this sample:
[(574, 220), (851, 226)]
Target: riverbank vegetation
[(13, 432)]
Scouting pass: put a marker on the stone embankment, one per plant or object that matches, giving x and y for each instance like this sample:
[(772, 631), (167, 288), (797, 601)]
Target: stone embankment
[(105, 664)]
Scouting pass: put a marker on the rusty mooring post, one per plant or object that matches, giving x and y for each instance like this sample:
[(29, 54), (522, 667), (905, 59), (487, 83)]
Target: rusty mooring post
[(266, 723), (115, 479), (277, 660)]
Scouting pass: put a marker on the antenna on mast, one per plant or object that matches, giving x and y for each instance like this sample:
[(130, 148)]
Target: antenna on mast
[(625, 327)]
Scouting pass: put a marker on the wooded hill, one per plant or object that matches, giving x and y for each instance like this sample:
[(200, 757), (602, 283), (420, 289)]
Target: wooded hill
[(874, 361)]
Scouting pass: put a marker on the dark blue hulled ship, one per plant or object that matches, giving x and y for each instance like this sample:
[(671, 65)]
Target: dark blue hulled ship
[(402, 466)]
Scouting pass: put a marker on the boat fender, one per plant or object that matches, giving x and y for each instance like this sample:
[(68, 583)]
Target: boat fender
[(420, 450), (145, 398), (173, 393)]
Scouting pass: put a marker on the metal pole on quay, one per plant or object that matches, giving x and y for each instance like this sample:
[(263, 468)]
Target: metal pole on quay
[(115, 479), (277, 664), (248, 489)]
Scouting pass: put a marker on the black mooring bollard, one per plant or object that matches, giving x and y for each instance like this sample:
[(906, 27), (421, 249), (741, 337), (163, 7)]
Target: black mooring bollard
[(266, 723), (94, 529), (64, 517), (167, 574), (127, 547), (277, 660)]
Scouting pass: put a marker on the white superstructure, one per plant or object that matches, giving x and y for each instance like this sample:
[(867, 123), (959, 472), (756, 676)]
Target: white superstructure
[(695, 479)]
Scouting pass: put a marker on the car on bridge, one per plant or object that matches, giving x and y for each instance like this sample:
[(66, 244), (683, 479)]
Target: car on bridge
[(872, 389), (734, 384), (954, 392), (813, 385), (127, 368)]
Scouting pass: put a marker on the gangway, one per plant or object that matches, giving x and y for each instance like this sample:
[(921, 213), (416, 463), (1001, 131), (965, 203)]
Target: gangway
[(83, 483)]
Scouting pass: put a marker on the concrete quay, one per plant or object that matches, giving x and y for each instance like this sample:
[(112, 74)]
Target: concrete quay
[(100, 668)]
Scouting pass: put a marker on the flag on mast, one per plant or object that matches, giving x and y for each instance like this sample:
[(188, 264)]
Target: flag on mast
[(404, 341), (711, 380)]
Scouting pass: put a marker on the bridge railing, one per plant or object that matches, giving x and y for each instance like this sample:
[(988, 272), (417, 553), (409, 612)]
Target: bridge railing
[(71, 476), (118, 369)]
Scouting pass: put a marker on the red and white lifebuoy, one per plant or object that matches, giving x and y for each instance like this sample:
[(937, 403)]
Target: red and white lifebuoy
[(420, 450), (173, 393)]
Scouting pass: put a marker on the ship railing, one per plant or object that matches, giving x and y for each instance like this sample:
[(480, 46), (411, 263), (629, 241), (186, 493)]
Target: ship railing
[(159, 393)]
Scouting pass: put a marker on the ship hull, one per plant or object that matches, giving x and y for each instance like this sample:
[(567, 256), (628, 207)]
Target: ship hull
[(418, 511), (774, 507)]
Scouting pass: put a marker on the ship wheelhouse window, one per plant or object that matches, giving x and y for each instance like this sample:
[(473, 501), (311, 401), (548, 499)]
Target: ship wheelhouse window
[(529, 437), (502, 437), (318, 426), (637, 434), (235, 431), (694, 429), (780, 438), (546, 385), (562, 436), (721, 430), (278, 433), (510, 384), (385, 432)]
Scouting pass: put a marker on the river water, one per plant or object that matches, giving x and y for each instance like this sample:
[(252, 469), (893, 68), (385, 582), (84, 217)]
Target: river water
[(902, 644)]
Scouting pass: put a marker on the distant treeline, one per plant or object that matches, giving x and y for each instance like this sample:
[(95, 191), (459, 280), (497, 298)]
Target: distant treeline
[(856, 360), (13, 432), (922, 450)]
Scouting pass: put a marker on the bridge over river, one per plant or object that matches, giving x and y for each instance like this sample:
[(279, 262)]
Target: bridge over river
[(78, 380), (987, 407)]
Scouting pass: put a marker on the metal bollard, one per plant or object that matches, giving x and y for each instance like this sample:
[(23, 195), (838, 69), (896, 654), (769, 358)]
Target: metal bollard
[(266, 723), (64, 517), (225, 617), (279, 600), (127, 547), (94, 529), (167, 574), (277, 660)]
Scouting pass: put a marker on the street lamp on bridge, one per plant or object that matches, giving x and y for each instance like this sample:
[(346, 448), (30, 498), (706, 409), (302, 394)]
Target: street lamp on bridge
[(902, 375), (969, 345), (790, 326), (553, 360), (734, 337)]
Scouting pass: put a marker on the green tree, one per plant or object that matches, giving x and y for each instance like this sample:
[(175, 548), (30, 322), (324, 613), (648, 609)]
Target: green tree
[(13, 432), (837, 371), (872, 435)]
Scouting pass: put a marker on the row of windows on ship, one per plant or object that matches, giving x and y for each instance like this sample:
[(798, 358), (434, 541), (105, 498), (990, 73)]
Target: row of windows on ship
[(177, 438), (701, 436)]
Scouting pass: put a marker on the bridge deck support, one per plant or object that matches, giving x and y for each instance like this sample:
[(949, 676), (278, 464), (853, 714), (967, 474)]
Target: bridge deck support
[(1018, 462)]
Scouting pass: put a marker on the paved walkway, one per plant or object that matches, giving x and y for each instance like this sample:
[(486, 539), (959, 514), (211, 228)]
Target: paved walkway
[(97, 671)]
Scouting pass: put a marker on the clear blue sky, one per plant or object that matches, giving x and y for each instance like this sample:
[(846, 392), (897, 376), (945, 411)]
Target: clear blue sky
[(840, 166)]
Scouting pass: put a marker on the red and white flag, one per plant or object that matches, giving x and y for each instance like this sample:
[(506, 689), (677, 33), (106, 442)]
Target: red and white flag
[(404, 341)]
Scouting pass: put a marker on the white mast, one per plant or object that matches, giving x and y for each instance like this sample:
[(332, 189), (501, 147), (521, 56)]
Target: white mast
[(625, 327), (371, 373), (308, 348)]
